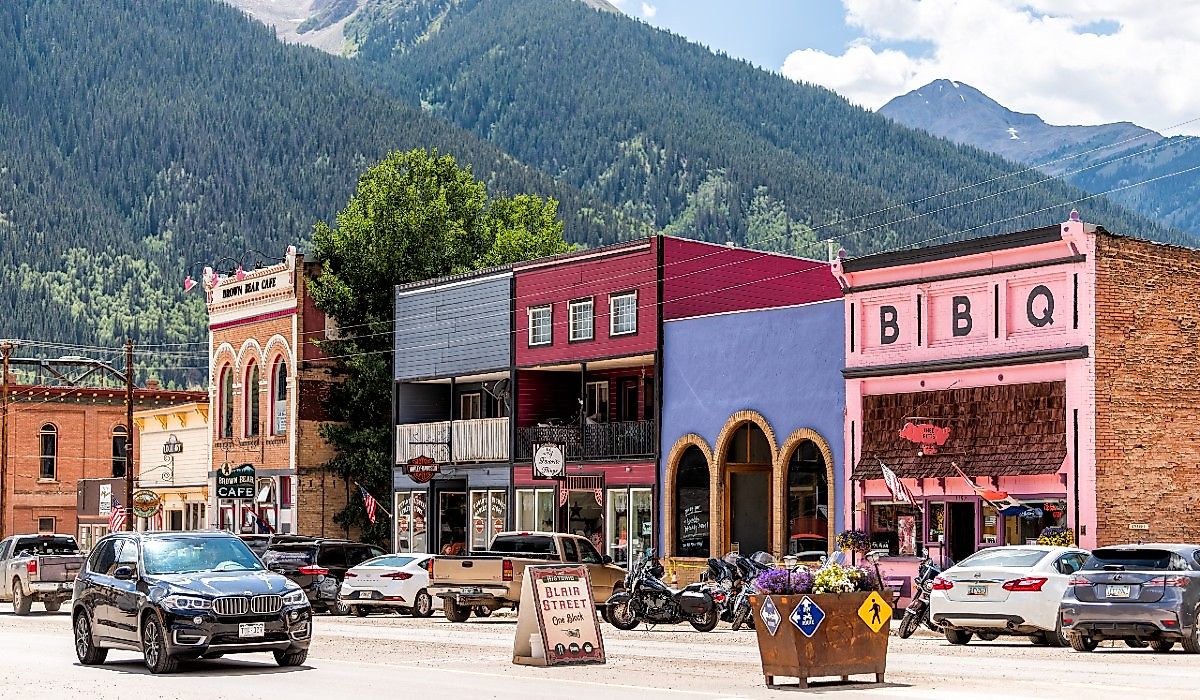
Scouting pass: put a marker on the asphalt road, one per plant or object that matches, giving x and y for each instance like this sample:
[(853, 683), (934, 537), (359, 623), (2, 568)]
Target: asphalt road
[(391, 656)]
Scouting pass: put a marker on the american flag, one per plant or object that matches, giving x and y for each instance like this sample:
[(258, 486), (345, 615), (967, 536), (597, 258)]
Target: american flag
[(369, 502), (899, 491), (116, 517)]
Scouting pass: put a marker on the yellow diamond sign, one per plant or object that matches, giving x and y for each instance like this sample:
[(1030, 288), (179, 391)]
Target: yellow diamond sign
[(875, 612)]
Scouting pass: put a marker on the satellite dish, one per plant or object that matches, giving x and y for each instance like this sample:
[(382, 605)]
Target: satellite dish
[(499, 388)]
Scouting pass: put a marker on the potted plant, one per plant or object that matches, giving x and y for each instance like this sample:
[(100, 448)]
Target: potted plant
[(831, 621), (1057, 537)]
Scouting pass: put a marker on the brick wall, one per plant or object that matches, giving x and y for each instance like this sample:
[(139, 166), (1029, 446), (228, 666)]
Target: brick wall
[(1147, 360)]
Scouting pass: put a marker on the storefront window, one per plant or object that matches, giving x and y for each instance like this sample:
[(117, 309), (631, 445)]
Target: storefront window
[(410, 521), (535, 510), (629, 522), (807, 501), (488, 512), (991, 525), (618, 523), (894, 529), (585, 516), (937, 523), (691, 505), (1026, 527)]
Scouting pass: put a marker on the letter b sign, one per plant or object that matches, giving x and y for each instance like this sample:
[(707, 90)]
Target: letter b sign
[(889, 326), (961, 316)]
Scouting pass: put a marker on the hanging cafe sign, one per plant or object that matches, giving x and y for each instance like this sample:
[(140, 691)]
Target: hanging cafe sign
[(421, 469), (146, 504), (236, 483)]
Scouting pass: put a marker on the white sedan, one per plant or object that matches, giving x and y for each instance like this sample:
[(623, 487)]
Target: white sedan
[(1005, 590), (393, 581)]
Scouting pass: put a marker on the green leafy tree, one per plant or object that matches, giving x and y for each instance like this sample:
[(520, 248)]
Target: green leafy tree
[(414, 216)]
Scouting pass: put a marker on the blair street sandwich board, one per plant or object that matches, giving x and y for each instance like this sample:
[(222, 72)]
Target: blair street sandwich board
[(557, 622)]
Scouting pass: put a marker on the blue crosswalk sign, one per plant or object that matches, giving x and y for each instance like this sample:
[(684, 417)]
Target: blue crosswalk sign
[(807, 616)]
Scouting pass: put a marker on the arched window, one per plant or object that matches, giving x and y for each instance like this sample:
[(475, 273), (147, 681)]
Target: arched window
[(250, 390), (807, 500), (120, 458), (691, 504), (279, 396), (49, 470), (225, 401)]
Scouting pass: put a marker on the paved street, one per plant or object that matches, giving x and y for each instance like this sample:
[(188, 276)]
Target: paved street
[(387, 656)]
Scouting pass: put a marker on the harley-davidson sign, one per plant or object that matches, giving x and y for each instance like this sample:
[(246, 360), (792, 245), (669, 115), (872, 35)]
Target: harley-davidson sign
[(421, 469), (929, 437)]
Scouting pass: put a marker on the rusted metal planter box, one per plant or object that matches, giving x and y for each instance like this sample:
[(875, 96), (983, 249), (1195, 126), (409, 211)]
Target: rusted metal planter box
[(842, 645)]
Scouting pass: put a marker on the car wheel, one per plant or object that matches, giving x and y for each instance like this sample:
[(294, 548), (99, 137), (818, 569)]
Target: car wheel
[(1057, 638), (85, 647), (1191, 643), (482, 611), (1040, 639), (154, 647), (359, 611), (1080, 642), (455, 612), (957, 637), (21, 602), (705, 622), (53, 605), (422, 604), (292, 658), (1135, 644), (988, 636), (1161, 646)]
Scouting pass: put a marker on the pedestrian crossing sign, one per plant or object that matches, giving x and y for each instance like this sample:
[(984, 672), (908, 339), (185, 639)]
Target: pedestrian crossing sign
[(875, 612)]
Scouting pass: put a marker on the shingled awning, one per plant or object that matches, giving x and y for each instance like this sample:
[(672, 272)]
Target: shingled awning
[(1003, 430)]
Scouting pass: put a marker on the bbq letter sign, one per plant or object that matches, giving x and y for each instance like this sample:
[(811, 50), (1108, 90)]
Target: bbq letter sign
[(557, 622)]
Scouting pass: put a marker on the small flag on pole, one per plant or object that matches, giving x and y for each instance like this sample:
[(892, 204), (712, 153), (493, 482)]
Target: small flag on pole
[(116, 517), (900, 492), (369, 502), (1000, 500)]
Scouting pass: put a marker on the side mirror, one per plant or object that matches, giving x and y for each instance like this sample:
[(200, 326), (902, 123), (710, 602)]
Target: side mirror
[(606, 559), (123, 573)]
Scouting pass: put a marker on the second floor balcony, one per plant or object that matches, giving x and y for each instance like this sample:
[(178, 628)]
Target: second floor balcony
[(598, 441), (448, 442)]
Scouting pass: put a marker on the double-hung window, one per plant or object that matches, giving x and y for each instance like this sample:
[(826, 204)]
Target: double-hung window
[(540, 325), (581, 320), (622, 310)]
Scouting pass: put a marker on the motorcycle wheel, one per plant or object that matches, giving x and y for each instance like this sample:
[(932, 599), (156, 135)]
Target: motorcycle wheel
[(705, 622), (908, 625), (740, 617), (621, 616)]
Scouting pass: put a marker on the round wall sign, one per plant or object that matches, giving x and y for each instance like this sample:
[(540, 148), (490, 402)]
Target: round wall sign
[(146, 504)]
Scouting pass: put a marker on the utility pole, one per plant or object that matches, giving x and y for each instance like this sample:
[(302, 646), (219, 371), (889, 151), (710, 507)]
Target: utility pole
[(6, 348), (129, 434)]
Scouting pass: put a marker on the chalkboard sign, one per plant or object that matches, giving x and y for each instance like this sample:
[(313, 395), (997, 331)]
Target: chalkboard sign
[(693, 522)]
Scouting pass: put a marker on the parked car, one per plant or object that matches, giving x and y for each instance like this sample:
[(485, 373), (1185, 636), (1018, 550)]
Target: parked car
[(259, 544), (38, 569), (1136, 593), (492, 580), (180, 595), (391, 582), (318, 566), (1005, 590)]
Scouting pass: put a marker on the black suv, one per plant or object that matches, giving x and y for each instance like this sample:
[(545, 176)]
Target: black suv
[(179, 595), (319, 566)]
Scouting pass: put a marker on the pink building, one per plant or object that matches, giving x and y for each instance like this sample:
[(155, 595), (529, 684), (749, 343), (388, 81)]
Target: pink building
[(1017, 360)]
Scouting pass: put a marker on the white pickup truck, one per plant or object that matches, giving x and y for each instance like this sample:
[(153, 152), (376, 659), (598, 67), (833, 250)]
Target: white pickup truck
[(38, 568)]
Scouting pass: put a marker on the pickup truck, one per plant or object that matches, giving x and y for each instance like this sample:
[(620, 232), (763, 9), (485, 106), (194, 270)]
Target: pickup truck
[(38, 568), (492, 580)]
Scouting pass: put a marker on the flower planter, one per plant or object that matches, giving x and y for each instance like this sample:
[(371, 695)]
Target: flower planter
[(843, 644)]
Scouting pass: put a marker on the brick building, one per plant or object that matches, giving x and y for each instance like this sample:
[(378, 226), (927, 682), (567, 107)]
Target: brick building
[(59, 435), (268, 383), (1052, 367)]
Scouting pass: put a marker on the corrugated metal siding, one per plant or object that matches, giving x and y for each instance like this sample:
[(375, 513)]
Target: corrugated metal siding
[(457, 329)]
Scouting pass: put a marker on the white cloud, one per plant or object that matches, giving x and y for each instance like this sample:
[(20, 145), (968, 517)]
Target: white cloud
[(1029, 55), (648, 10)]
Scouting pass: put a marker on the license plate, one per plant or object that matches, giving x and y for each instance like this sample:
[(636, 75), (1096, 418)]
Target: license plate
[(252, 629), (976, 590), (472, 590), (1116, 591)]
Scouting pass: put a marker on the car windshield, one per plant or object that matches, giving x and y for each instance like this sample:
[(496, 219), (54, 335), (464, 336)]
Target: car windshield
[(189, 555), (524, 544), (389, 561), (1133, 559), (1013, 558), (59, 544)]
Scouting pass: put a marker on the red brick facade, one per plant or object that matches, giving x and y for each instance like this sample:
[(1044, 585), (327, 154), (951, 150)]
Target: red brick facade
[(1147, 361), (81, 421)]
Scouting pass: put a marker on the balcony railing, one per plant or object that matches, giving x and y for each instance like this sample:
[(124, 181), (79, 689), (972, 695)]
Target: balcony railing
[(595, 441), (479, 440)]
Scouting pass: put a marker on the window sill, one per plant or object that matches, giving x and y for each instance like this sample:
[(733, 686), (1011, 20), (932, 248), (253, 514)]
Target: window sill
[(47, 481), (618, 335)]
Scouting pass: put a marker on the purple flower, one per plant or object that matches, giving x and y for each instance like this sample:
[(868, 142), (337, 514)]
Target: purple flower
[(784, 582)]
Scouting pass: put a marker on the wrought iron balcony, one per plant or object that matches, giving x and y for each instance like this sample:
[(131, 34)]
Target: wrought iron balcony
[(595, 441)]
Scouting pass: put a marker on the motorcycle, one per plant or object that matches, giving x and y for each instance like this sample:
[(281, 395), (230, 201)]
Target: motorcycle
[(748, 569), (647, 599), (722, 580), (917, 612)]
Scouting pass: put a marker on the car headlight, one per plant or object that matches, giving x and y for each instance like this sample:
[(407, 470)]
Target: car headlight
[(295, 597), (186, 603)]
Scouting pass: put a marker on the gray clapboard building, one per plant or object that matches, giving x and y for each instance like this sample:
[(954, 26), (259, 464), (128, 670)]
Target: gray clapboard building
[(451, 407)]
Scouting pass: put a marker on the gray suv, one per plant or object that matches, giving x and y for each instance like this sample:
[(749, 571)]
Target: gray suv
[(1136, 593)]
